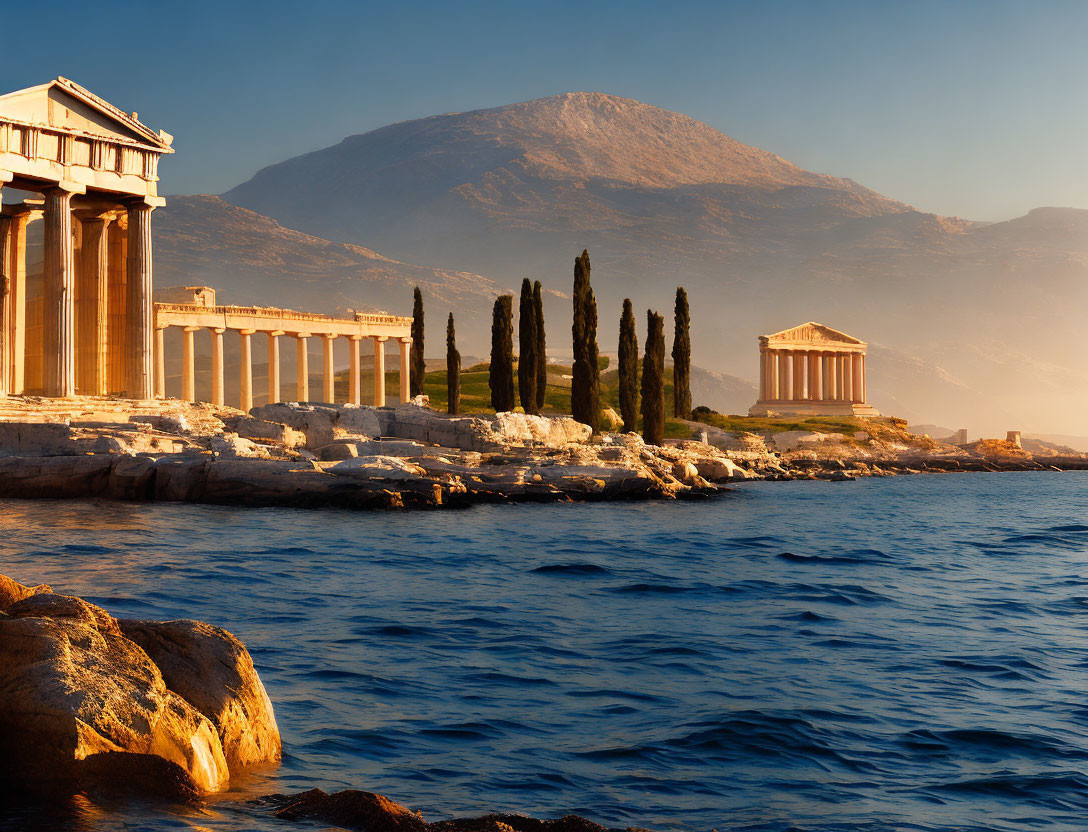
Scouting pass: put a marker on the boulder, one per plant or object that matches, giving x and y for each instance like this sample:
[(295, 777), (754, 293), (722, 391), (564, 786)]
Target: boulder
[(212, 671), (88, 702), (76, 697), (377, 467)]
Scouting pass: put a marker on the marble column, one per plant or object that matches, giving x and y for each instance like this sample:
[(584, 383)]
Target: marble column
[(5, 298), (141, 374), (16, 320), (355, 395), (188, 364), (782, 358), (799, 364), (91, 307), (833, 377), (160, 362), (118, 325), (329, 376), (405, 346), (58, 291), (379, 369), (847, 378), (245, 396), (303, 362), (274, 365), (864, 391), (763, 375), (218, 395), (814, 380)]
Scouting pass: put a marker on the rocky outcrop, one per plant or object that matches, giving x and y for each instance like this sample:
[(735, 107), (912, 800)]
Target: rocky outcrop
[(369, 812), (88, 702)]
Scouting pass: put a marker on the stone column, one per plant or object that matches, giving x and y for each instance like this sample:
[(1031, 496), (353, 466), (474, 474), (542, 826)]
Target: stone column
[(329, 390), (864, 389), (117, 327), (379, 369), (246, 377), (815, 385), (800, 391), (847, 377), (833, 377), (274, 366), (763, 375), (782, 359), (6, 283), (160, 362), (58, 292), (91, 305), (188, 364), (303, 389), (355, 396), (405, 346), (141, 374), (16, 321), (218, 396)]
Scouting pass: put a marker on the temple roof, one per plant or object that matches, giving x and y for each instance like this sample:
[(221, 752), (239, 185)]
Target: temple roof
[(64, 105), (811, 333)]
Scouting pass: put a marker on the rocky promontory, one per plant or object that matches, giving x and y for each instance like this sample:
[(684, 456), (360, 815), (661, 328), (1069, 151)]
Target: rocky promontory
[(410, 456)]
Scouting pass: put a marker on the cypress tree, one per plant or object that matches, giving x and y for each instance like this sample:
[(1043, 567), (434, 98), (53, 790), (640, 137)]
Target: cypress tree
[(417, 366), (628, 368), (527, 344), (453, 370), (653, 381), (541, 354), (681, 357), (500, 377), (585, 391)]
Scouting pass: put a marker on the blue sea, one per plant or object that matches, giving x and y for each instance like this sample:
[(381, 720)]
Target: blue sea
[(907, 653)]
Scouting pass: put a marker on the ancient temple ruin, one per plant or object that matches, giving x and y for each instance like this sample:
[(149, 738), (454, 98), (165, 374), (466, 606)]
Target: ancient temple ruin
[(83, 322), (811, 370), (81, 319)]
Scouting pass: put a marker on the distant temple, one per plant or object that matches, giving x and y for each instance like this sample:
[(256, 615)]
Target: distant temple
[(84, 323), (811, 370)]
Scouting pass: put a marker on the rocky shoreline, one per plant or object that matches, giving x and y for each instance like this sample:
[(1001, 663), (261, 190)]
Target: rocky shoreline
[(347, 456)]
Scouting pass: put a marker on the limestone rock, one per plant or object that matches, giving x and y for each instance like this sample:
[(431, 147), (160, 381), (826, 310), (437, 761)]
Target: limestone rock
[(352, 809), (12, 591), (377, 467), (87, 702), (72, 689), (212, 671)]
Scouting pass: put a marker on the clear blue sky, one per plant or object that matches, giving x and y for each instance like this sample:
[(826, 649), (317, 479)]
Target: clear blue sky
[(978, 109)]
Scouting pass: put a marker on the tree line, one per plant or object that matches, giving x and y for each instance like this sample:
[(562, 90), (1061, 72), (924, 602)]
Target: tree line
[(641, 388)]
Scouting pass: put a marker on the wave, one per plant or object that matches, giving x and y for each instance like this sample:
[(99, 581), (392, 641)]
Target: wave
[(572, 569)]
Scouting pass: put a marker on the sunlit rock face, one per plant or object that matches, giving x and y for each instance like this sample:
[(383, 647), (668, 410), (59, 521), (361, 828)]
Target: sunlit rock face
[(83, 704)]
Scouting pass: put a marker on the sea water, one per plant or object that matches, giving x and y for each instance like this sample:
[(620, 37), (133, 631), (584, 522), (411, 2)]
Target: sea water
[(907, 653)]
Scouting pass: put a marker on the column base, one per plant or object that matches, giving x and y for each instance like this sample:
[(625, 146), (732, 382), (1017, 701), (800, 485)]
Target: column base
[(811, 408)]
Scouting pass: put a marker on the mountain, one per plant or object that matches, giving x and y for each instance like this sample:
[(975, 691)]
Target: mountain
[(250, 258), (661, 199)]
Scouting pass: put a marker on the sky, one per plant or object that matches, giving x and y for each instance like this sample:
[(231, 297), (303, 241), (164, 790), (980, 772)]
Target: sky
[(973, 109)]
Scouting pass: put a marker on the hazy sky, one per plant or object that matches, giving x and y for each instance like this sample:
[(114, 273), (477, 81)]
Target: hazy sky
[(978, 109)]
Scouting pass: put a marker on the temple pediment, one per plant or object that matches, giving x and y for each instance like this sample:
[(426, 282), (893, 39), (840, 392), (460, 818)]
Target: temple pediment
[(812, 333), (63, 105)]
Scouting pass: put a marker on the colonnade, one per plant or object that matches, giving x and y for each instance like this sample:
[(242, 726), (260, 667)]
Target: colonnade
[(89, 331), (811, 375), (274, 324)]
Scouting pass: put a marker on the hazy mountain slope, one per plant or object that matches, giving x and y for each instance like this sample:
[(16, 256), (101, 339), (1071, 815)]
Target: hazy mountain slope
[(661, 199), (252, 259)]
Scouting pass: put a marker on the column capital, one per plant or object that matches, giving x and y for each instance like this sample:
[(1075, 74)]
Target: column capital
[(300, 335), (329, 336), (380, 337), (275, 333), (148, 202), (192, 328), (218, 330), (66, 187), (247, 332), (405, 340)]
